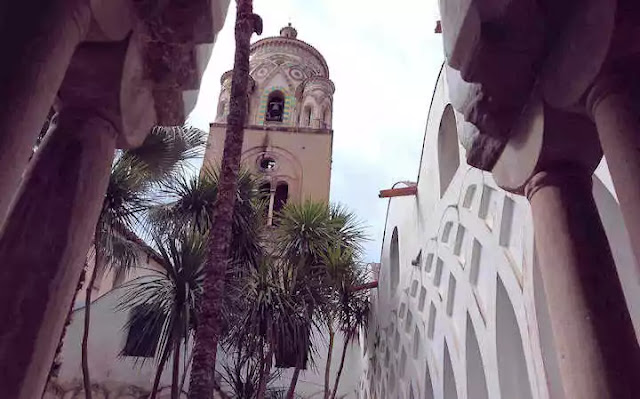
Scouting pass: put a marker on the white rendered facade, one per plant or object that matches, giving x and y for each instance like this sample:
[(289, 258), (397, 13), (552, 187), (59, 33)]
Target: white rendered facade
[(460, 311)]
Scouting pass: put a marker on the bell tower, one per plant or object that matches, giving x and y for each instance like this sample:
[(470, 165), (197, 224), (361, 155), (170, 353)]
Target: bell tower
[(288, 135)]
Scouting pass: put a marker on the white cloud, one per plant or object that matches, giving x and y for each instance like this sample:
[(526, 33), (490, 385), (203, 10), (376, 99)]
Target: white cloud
[(384, 59)]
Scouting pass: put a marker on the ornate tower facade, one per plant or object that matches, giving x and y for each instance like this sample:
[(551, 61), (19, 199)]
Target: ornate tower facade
[(288, 136)]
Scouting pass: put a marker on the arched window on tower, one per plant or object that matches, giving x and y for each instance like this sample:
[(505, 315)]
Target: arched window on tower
[(326, 118), (282, 194), (275, 107), (305, 117)]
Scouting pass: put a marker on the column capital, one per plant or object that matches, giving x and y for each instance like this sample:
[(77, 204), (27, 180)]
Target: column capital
[(603, 86), (561, 175)]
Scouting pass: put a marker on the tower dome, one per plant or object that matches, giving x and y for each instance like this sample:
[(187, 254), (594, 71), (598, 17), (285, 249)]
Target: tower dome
[(292, 86)]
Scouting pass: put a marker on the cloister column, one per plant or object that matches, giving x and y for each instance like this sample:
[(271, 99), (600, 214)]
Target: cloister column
[(43, 244), (616, 112), (50, 224), (597, 351), (39, 39)]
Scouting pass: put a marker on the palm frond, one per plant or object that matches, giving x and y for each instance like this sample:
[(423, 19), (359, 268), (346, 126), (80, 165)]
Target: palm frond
[(304, 231), (122, 255), (190, 207), (350, 229), (169, 300), (164, 152)]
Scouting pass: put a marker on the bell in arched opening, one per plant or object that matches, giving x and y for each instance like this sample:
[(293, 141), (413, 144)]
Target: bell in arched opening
[(275, 107)]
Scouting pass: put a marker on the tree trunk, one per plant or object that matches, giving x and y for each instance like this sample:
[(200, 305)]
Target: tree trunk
[(265, 371), (344, 354), (156, 379), (86, 380), (186, 367), (175, 379), (327, 369), (210, 320), (294, 382)]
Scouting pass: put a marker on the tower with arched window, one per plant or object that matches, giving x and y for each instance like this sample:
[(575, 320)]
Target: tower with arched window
[(289, 132)]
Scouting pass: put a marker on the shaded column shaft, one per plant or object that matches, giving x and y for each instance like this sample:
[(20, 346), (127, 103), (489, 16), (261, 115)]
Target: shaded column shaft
[(39, 48), (43, 244), (597, 350), (618, 126)]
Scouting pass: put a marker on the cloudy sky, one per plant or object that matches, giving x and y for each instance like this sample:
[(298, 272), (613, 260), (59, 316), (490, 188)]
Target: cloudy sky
[(384, 58)]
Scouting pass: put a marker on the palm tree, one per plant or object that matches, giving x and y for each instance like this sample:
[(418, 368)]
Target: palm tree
[(168, 301), (189, 203), (175, 225), (134, 175), (353, 306), (209, 326), (306, 233), (270, 318), (267, 314)]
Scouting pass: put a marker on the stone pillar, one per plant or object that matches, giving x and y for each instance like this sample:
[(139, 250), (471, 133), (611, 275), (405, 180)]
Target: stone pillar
[(43, 244), (617, 117), (39, 47), (598, 354)]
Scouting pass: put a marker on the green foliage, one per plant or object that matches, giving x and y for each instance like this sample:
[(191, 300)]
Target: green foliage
[(189, 206), (241, 373), (135, 176), (282, 284), (169, 299)]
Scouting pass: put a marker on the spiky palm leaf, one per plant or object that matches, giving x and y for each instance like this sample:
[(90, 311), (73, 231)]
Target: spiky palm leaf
[(304, 232), (190, 205), (241, 374), (164, 152), (350, 230), (170, 297), (273, 316), (134, 175)]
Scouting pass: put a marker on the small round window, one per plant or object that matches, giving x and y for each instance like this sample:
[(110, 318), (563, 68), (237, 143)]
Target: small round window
[(267, 164)]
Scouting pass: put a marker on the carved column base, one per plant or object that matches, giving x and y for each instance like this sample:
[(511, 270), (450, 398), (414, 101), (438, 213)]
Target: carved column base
[(597, 350)]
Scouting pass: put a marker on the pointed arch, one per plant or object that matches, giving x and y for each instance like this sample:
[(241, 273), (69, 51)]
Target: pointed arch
[(306, 115), (449, 383), (512, 365), (394, 261), (428, 384), (476, 380), (448, 152), (326, 117)]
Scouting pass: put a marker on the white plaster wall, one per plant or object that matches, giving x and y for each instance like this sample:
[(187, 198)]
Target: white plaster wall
[(311, 381), (107, 338), (476, 281)]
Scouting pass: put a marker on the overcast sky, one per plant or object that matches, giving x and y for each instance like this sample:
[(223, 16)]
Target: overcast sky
[(384, 58)]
